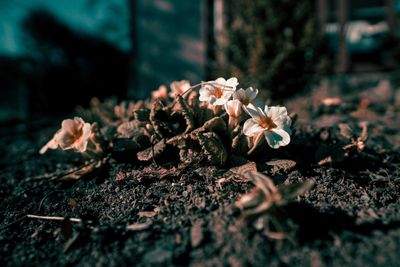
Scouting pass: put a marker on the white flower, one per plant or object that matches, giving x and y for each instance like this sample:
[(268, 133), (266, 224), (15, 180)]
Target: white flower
[(273, 122), (246, 96), (218, 92), (74, 134), (178, 88)]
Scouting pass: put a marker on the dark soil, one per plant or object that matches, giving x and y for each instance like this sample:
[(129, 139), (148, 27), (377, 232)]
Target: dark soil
[(351, 217)]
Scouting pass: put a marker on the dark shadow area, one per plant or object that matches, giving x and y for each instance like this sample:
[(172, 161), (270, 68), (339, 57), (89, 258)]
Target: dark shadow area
[(66, 68), (314, 224)]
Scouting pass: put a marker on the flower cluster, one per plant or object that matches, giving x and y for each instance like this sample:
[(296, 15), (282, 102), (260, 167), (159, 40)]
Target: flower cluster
[(273, 122), (194, 123)]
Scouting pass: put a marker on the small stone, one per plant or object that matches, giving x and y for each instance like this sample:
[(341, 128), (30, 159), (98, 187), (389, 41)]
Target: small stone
[(365, 198)]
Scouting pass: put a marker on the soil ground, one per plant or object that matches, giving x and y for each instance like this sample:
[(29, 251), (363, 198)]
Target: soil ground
[(185, 217)]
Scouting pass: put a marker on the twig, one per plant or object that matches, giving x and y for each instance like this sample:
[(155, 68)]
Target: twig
[(55, 176), (31, 216), (72, 171), (53, 218), (45, 197), (152, 150)]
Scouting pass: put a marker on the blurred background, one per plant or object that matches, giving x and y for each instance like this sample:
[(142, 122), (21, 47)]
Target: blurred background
[(55, 55)]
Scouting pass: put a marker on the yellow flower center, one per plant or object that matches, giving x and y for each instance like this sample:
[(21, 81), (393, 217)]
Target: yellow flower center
[(267, 123), (217, 92)]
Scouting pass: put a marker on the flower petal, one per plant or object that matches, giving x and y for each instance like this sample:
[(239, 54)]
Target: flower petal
[(218, 101), (204, 94), (81, 146), (81, 143), (227, 95), (276, 111), (250, 128), (69, 126), (253, 111), (232, 82), (220, 81), (251, 93), (284, 122), (240, 94), (277, 138), (233, 108), (52, 144), (65, 140)]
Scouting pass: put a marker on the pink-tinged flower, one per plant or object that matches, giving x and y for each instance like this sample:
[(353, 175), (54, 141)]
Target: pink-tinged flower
[(161, 92), (74, 134), (273, 122), (246, 96), (179, 88), (218, 92), (234, 109)]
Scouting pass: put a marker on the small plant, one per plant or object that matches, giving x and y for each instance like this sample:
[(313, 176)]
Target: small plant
[(265, 205), (352, 143), (356, 141), (206, 126)]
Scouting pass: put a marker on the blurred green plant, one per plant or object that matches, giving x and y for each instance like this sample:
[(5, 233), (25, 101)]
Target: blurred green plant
[(270, 43)]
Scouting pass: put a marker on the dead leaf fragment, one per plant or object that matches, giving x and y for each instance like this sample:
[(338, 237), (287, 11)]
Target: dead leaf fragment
[(138, 226), (147, 214), (212, 146), (131, 129), (152, 152), (240, 173), (281, 166), (346, 131), (186, 112)]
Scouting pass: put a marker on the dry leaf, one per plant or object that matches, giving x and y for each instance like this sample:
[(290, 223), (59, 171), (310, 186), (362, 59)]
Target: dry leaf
[(72, 202), (132, 129), (240, 173), (211, 145), (160, 119), (152, 152), (186, 112), (281, 166), (346, 131)]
